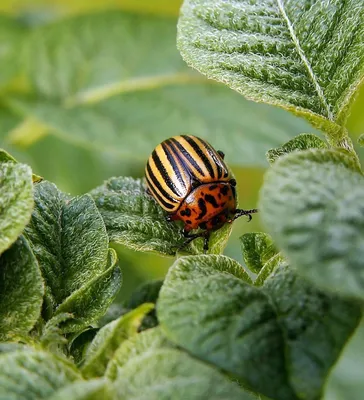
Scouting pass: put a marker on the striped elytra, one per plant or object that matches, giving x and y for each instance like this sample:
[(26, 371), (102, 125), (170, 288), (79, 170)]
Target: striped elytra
[(190, 180)]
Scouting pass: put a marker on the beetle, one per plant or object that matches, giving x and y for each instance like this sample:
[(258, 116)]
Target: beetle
[(190, 180)]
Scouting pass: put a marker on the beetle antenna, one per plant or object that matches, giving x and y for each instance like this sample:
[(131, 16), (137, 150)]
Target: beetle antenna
[(239, 213)]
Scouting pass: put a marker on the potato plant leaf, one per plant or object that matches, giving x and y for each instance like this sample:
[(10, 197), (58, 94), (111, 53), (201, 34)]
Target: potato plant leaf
[(109, 338), (21, 290), (171, 374), (94, 389), (16, 201), (5, 157), (305, 56), (303, 141), (262, 336), (136, 346), (33, 375), (93, 90), (90, 302), (258, 248), (310, 204), (133, 218)]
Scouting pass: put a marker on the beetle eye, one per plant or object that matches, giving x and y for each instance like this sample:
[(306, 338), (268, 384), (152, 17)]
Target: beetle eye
[(232, 182)]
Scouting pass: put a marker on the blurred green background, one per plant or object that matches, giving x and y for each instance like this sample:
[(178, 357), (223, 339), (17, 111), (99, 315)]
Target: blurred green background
[(88, 88)]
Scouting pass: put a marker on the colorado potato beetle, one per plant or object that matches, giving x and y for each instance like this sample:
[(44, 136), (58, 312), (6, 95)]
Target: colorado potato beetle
[(190, 180)]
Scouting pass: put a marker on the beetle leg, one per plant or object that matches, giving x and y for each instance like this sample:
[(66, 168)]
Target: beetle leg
[(221, 154), (239, 213), (192, 236), (206, 242)]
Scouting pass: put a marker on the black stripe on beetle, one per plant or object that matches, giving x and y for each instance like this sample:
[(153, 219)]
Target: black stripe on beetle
[(156, 184), (188, 156), (173, 164), (201, 154), (159, 198), (166, 178)]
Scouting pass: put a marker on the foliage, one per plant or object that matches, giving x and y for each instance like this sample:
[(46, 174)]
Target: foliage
[(104, 88)]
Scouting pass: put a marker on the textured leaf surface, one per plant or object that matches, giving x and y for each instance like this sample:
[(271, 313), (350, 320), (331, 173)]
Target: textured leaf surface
[(258, 249), (304, 141), (315, 327), (91, 301), (145, 343), (134, 219), (109, 338), (94, 389), (21, 290), (263, 336), (6, 157), (95, 90), (305, 56), (16, 201), (28, 375), (69, 240), (170, 374), (310, 203)]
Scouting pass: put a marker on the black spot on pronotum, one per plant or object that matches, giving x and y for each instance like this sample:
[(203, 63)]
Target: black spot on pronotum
[(224, 190), (183, 213), (188, 212), (211, 199), (189, 222), (202, 207), (212, 187)]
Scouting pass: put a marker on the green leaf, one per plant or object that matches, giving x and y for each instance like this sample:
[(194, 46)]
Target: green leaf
[(5, 157), (118, 95), (91, 301), (69, 240), (315, 327), (262, 336), (16, 201), (12, 35), (301, 142), (258, 249), (109, 338), (170, 374), (94, 389), (306, 57), (21, 290), (134, 219), (33, 375), (310, 204), (148, 292), (137, 346)]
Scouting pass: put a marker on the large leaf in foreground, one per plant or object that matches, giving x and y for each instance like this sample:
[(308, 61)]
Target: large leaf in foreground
[(21, 290), (122, 104), (165, 374), (263, 336), (33, 375), (16, 201), (305, 56), (311, 205)]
